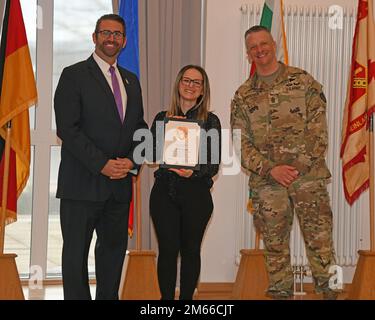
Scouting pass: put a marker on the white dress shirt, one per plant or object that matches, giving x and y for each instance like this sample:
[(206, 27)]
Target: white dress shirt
[(104, 66)]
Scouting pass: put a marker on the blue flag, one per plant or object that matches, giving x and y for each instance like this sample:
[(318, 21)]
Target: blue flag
[(129, 59), (129, 56)]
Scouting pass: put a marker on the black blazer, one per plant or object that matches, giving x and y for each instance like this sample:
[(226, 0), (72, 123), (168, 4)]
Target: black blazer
[(92, 133)]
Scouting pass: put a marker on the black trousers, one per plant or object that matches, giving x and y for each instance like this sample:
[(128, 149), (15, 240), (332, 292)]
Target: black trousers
[(180, 223), (78, 220)]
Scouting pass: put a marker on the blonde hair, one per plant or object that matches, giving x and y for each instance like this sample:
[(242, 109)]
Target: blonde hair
[(203, 101)]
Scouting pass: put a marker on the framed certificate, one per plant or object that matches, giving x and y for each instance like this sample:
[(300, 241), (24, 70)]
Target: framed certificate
[(181, 143)]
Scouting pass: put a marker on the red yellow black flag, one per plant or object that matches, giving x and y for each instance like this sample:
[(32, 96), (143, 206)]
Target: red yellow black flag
[(18, 93)]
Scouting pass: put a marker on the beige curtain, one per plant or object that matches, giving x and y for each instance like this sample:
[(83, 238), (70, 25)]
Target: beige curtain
[(170, 32), (169, 38), (115, 6)]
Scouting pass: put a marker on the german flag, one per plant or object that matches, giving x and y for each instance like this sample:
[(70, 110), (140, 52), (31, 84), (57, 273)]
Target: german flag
[(18, 93)]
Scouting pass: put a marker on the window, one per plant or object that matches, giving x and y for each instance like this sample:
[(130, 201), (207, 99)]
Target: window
[(74, 23), (60, 37), (18, 234)]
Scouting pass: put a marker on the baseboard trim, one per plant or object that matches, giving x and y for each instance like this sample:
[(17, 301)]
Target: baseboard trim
[(205, 290), (223, 290), (50, 282)]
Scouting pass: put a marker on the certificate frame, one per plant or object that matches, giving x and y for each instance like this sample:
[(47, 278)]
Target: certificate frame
[(181, 143)]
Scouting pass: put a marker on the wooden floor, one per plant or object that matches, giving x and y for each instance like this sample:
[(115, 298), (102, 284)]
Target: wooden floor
[(307, 296), (49, 292), (206, 292)]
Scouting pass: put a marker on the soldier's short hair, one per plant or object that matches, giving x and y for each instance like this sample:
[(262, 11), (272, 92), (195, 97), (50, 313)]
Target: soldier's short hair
[(257, 28)]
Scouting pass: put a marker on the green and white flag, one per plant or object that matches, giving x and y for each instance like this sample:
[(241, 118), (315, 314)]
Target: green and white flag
[(273, 19)]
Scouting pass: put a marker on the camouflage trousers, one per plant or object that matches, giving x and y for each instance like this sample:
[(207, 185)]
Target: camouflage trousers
[(274, 210)]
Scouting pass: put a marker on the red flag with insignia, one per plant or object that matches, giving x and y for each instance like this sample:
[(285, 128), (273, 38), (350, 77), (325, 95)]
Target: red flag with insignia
[(360, 104)]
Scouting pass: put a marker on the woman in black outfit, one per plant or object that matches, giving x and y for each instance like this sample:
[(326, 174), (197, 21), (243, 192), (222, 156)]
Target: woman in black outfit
[(180, 201)]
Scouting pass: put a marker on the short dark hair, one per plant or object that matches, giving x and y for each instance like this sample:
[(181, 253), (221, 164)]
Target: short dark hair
[(257, 28), (113, 17)]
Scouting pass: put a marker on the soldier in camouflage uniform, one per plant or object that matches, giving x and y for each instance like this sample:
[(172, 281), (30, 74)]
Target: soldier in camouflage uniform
[(281, 113)]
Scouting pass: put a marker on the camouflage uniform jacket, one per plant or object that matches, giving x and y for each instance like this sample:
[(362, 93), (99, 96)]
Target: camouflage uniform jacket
[(281, 123)]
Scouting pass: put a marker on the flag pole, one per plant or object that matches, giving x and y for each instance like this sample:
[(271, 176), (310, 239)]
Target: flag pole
[(138, 211), (139, 280), (371, 161), (5, 186)]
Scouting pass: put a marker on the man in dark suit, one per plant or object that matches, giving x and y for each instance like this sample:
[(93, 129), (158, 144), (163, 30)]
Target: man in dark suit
[(98, 108)]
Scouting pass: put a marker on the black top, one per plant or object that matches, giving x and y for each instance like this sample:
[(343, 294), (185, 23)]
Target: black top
[(208, 169)]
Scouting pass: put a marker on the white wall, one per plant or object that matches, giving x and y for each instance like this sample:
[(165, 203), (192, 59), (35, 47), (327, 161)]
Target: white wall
[(222, 40), (222, 62)]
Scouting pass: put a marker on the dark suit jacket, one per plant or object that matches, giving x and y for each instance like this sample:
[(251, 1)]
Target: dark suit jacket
[(92, 133)]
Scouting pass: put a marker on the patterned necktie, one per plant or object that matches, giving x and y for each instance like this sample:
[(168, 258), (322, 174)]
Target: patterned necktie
[(116, 92)]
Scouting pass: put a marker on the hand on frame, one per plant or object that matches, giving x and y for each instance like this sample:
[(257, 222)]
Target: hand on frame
[(185, 173)]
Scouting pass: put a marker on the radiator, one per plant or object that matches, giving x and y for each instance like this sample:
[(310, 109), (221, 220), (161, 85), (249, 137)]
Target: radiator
[(326, 54)]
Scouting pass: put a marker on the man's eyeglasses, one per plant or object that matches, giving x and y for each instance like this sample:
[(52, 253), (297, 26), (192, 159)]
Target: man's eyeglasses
[(196, 83), (116, 34)]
